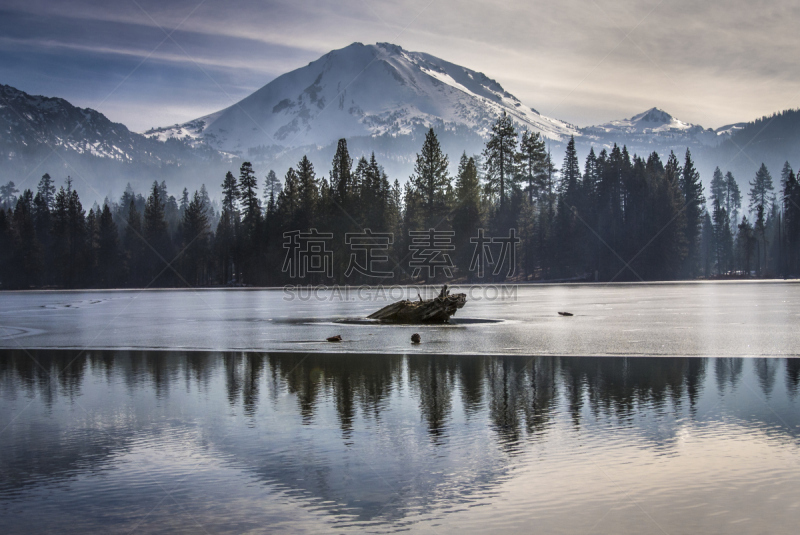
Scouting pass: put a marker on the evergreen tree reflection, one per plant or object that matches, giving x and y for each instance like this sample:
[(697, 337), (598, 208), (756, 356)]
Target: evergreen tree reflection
[(728, 372), (621, 386), (433, 379), (765, 371), (792, 376)]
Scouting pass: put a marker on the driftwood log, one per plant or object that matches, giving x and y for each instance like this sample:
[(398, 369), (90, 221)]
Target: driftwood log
[(437, 310)]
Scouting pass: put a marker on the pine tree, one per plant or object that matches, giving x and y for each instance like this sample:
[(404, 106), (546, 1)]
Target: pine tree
[(248, 194), (341, 181), (591, 175), (760, 189), (308, 194), (467, 211), (78, 237), (673, 169), (588, 210), (760, 234), (184, 204), (154, 231), (228, 230), (746, 244), (26, 259), (289, 202), (250, 239), (531, 159), (761, 199), (8, 195), (500, 158), (692, 190), (431, 181), (361, 190), (565, 231), (42, 224), (133, 244), (92, 245), (733, 199), (108, 266), (195, 241), (272, 186), (707, 256), (47, 189), (172, 213), (723, 240), (719, 189), (6, 248), (230, 194), (785, 173), (791, 210)]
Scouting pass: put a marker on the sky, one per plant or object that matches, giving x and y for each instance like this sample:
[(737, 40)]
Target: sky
[(152, 63)]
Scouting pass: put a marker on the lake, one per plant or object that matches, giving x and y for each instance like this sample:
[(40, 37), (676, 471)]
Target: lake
[(664, 319), (224, 412)]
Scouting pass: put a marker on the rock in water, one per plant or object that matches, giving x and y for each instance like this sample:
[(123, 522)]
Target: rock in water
[(437, 310)]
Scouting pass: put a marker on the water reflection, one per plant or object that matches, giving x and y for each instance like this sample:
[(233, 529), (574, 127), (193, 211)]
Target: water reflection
[(728, 372), (368, 438), (792, 376)]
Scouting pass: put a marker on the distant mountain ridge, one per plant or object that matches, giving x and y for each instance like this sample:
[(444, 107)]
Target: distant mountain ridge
[(41, 134), (656, 126), (30, 121)]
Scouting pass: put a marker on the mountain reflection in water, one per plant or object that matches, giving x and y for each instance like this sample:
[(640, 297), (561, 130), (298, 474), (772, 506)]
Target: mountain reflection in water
[(167, 441)]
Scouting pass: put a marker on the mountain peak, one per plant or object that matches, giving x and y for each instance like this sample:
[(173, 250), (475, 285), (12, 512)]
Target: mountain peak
[(652, 121), (653, 115), (363, 92)]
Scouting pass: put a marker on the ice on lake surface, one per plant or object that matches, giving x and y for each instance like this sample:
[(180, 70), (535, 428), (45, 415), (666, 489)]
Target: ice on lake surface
[(667, 319)]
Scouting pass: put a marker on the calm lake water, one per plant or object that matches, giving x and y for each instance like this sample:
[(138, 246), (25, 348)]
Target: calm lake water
[(164, 442), (513, 419)]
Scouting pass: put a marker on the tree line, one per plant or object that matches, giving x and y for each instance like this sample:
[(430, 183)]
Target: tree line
[(617, 217)]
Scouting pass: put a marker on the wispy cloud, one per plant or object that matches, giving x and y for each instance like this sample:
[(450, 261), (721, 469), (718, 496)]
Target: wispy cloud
[(706, 62)]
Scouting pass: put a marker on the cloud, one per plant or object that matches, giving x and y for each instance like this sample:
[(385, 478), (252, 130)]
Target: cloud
[(583, 61)]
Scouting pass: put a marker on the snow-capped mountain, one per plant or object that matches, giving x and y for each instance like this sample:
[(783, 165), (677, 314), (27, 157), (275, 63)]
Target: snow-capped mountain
[(652, 121), (49, 135), (29, 121), (362, 91), (657, 127)]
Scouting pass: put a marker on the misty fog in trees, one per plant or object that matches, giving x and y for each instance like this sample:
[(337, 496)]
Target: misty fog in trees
[(613, 217)]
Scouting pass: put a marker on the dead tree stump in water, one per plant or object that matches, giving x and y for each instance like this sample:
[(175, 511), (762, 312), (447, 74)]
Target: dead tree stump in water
[(437, 310)]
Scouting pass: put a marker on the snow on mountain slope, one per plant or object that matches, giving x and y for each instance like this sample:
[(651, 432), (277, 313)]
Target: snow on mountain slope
[(30, 121), (362, 90), (654, 129), (652, 121), (730, 129)]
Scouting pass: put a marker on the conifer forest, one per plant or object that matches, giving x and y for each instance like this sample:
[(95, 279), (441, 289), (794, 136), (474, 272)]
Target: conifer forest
[(615, 216)]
